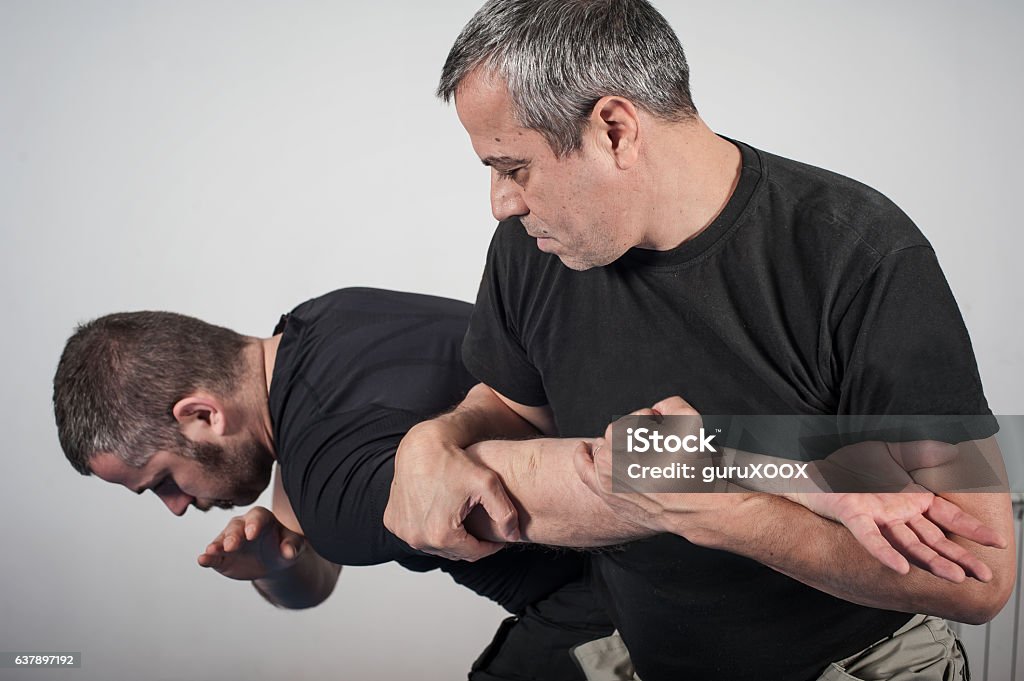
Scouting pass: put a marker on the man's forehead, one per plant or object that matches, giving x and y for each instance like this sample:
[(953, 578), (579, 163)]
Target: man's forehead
[(485, 110), (109, 467)]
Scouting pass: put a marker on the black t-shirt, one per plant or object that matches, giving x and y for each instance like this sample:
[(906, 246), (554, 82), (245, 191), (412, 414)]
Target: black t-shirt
[(809, 294), (354, 371)]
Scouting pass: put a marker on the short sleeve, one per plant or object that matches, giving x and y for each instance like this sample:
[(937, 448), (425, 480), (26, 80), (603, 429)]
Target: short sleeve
[(492, 350), (343, 482), (902, 347)]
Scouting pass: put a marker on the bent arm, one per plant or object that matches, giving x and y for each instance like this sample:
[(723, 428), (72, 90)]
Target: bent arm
[(310, 579), (484, 414), (822, 554), (435, 487), (305, 584), (557, 508)]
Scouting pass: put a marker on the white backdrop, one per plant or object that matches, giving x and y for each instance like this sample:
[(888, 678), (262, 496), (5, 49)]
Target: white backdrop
[(231, 159)]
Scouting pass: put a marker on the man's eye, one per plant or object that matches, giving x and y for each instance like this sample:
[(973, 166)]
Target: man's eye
[(509, 174)]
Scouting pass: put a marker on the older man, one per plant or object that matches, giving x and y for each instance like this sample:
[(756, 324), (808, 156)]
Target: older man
[(641, 255)]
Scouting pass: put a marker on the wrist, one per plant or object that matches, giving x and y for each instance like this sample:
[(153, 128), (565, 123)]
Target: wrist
[(726, 524)]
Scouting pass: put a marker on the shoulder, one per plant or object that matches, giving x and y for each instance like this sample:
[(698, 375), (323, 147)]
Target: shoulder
[(365, 300), (837, 205)]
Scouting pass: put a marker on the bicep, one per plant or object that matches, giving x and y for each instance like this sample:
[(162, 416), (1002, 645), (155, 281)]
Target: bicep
[(340, 490), (542, 418), (285, 514)]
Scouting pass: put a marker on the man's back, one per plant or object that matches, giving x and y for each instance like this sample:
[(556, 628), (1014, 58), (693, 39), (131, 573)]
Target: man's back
[(355, 370)]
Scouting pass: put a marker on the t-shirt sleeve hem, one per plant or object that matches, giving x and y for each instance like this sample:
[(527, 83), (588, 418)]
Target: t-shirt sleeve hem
[(485, 373)]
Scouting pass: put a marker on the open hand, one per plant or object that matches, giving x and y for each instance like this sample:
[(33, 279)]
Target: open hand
[(253, 546), (898, 528), (909, 527)]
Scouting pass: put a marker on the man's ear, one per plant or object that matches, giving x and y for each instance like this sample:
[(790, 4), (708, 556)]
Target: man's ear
[(200, 416), (615, 122)]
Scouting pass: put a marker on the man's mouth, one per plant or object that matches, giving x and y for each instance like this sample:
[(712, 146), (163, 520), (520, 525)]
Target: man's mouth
[(535, 233)]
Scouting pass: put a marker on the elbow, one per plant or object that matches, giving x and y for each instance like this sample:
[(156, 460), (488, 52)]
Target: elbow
[(988, 600)]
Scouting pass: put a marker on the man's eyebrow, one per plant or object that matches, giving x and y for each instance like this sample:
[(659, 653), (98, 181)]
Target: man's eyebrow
[(503, 161)]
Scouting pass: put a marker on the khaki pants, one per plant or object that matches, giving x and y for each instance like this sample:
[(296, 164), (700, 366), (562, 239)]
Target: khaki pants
[(924, 649)]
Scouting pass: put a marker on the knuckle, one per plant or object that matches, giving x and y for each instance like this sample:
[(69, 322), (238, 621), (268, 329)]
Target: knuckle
[(486, 479), (437, 539)]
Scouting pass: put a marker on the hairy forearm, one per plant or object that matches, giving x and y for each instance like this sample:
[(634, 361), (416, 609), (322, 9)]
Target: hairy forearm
[(554, 506), (479, 416), (304, 584), (824, 555)]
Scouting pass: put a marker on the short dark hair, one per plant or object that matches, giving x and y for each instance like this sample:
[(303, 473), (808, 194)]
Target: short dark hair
[(559, 57), (120, 376)]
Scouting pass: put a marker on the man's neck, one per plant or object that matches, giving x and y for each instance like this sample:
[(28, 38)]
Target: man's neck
[(694, 173), (269, 346), (264, 362)]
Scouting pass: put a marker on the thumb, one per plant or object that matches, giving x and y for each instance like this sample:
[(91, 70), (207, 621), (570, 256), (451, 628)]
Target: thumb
[(499, 507), (583, 460), (291, 547), (675, 406)]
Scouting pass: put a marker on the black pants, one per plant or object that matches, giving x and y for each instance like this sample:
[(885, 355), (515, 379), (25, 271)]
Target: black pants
[(536, 645)]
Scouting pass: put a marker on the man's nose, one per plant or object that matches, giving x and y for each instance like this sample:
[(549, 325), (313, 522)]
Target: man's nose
[(507, 199), (177, 502)]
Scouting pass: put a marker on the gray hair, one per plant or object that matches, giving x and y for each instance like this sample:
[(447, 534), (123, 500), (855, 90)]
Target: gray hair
[(559, 57)]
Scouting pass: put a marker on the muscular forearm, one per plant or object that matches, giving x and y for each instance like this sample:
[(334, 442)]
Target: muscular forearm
[(481, 415), (554, 506), (304, 584), (823, 554)]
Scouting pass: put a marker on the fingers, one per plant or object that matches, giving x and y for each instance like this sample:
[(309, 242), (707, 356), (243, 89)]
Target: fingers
[(291, 545), (867, 533), (233, 536), (256, 520), (210, 560), (583, 460), (675, 406), (460, 545), (644, 412), (444, 534), (242, 531), (910, 545), (244, 528), (934, 538), (639, 412), (952, 518), (496, 503), (473, 549)]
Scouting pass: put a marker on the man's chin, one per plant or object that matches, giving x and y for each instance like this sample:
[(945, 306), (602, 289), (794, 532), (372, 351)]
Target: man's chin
[(587, 263), (575, 263)]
